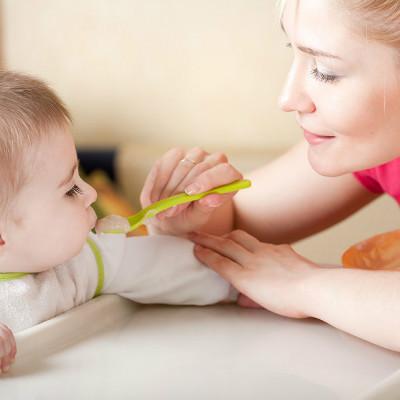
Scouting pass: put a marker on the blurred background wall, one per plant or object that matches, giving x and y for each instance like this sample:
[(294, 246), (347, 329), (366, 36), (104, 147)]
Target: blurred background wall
[(174, 72)]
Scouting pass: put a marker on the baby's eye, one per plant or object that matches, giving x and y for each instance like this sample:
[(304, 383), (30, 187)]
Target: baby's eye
[(74, 191)]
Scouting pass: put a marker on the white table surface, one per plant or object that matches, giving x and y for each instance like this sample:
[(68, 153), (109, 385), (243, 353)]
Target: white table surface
[(112, 348)]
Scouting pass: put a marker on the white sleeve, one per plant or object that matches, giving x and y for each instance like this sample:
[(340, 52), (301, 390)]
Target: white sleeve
[(34, 298), (162, 269)]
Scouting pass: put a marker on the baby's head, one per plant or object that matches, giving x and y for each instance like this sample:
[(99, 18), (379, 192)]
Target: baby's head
[(45, 212), (344, 83)]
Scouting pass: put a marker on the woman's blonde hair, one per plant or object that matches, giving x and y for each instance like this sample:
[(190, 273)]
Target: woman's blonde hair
[(29, 112), (375, 19)]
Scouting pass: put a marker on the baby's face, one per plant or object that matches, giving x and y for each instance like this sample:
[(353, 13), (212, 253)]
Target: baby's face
[(53, 213), (343, 86)]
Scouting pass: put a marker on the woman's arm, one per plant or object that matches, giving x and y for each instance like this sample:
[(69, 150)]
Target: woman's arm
[(289, 200), (365, 303)]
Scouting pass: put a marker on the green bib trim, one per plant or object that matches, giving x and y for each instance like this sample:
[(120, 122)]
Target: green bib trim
[(9, 276), (100, 266)]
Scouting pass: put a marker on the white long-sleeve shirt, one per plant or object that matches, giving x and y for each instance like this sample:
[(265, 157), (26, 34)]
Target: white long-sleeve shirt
[(147, 269)]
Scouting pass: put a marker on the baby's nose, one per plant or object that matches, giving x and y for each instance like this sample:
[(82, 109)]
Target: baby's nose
[(91, 195)]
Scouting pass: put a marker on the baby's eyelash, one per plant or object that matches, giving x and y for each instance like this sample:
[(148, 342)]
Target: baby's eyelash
[(323, 77), (74, 191)]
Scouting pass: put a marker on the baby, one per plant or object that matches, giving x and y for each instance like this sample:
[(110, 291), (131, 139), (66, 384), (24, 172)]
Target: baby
[(50, 261)]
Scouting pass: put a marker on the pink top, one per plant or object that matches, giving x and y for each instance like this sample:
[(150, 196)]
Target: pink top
[(382, 179)]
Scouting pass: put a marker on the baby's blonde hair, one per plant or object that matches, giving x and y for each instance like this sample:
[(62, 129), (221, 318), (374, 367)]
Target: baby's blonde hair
[(29, 112), (375, 19)]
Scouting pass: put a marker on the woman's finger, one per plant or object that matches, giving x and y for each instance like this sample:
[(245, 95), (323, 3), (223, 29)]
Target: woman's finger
[(184, 166), (247, 302), (198, 210), (224, 246), (243, 238), (223, 266), (148, 185), (216, 176), (167, 165), (207, 178), (208, 162)]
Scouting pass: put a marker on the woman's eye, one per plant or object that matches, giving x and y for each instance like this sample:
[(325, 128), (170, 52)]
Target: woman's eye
[(74, 191), (323, 77)]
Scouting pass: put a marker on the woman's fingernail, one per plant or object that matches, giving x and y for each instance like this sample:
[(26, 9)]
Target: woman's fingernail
[(170, 212), (193, 189), (6, 368), (213, 202)]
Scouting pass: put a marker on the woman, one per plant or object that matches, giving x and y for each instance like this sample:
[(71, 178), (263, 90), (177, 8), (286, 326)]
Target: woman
[(344, 86)]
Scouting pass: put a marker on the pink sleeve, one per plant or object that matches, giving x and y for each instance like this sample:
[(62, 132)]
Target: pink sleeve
[(368, 181)]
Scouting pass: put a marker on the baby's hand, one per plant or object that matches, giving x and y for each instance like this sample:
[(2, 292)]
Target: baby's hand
[(8, 348)]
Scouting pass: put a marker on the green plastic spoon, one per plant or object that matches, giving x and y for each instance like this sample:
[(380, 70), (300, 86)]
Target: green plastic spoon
[(153, 209)]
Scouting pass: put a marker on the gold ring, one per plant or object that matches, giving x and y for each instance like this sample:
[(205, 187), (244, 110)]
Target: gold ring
[(188, 159)]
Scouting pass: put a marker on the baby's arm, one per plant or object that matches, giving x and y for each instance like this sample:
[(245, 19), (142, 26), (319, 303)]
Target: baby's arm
[(34, 298), (163, 269), (8, 348)]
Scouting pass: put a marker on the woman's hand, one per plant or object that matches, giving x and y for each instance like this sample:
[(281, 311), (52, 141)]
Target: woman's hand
[(272, 276), (8, 348), (192, 171)]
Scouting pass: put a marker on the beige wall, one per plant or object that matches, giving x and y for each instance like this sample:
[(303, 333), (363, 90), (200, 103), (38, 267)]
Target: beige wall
[(180, 72)]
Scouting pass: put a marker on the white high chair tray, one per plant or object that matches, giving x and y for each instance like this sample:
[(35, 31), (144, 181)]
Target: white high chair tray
[(112, 348)]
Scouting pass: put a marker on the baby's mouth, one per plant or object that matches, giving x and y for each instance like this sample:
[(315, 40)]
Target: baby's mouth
[(92, 218)]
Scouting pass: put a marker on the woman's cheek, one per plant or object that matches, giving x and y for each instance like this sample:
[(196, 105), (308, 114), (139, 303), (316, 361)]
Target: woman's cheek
[(350, 117)]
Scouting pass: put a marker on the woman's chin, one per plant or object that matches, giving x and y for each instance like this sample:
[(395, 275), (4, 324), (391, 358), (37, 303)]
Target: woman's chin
[(323, 166)]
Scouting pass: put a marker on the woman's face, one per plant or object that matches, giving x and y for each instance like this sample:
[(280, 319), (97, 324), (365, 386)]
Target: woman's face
[(344, 88)]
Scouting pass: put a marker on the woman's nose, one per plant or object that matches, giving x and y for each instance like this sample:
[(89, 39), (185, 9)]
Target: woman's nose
[(294, 96)]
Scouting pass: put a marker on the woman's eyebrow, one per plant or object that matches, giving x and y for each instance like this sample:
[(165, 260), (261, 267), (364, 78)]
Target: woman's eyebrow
[(317, 53), (313, 52)]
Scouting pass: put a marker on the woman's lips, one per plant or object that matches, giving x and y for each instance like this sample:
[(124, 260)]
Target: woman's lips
[(313, 138)]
